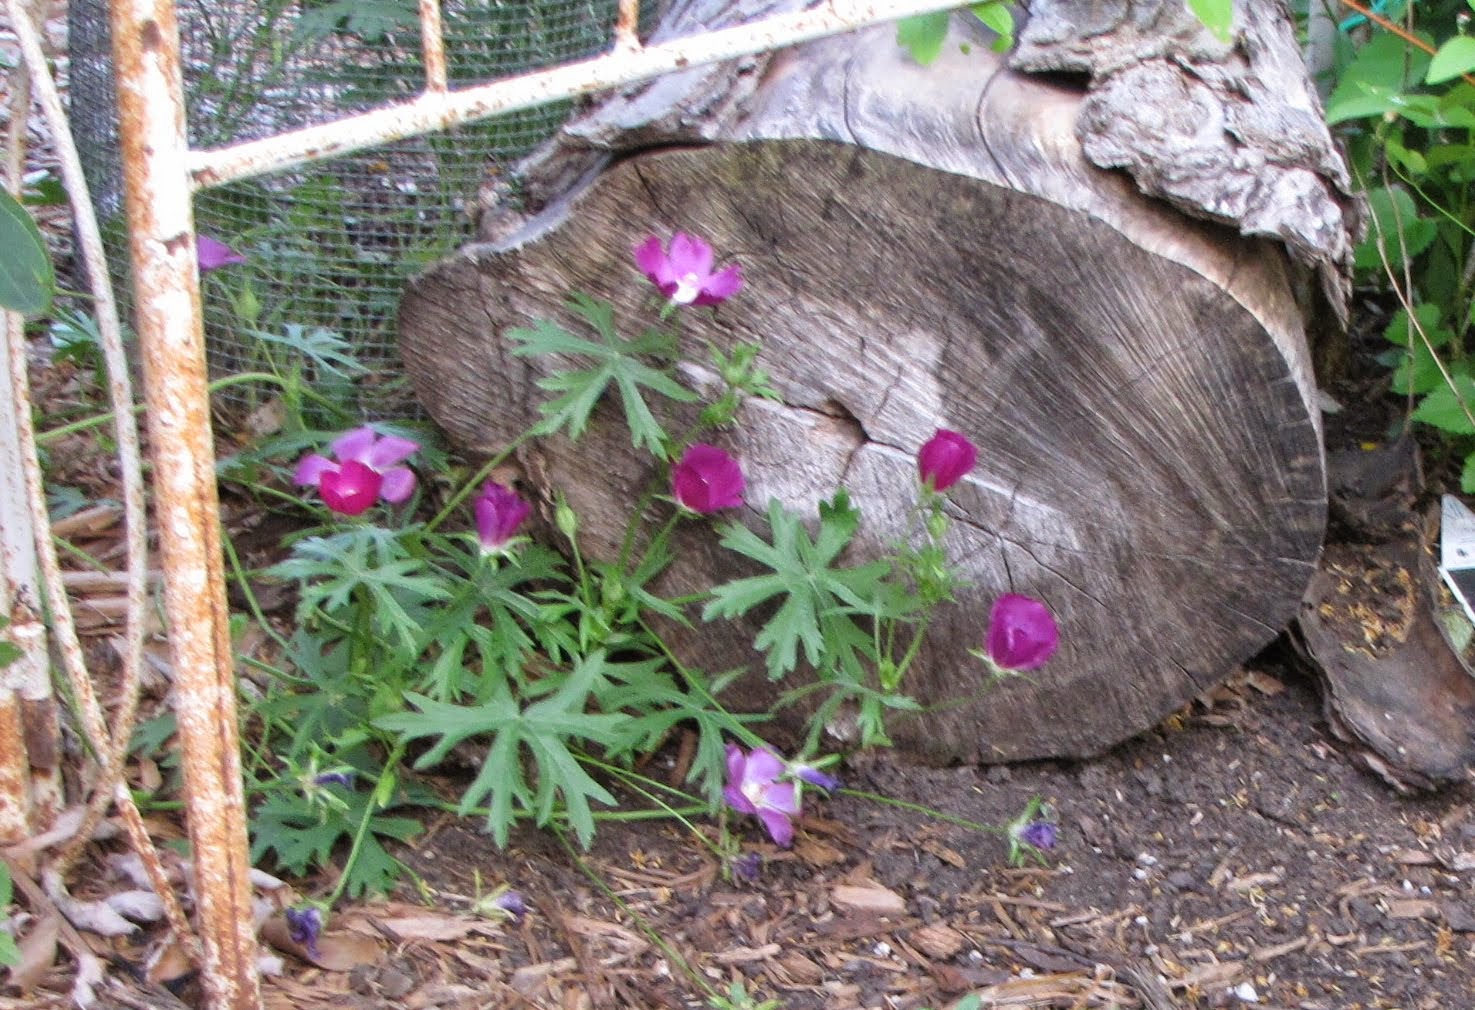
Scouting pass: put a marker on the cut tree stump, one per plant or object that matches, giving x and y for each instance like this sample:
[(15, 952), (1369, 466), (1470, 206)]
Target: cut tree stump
[(929, 247)]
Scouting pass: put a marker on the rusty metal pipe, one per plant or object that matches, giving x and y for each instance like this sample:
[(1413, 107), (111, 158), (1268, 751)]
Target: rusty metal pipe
[(433, 111), (170, 331)]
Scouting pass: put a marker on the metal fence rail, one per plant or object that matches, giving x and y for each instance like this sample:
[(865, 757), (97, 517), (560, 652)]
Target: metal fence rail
[(161, 174)]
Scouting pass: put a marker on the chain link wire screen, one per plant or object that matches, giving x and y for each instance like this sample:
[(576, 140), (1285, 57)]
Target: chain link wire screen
[(329, 246)]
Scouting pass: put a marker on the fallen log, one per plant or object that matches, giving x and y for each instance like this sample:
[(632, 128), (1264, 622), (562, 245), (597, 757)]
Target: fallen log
[(929, 247)]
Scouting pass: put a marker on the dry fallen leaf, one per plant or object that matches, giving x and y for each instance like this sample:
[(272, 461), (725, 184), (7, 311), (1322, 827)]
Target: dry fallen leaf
[(877, 899), (337, 951), (37, 953)]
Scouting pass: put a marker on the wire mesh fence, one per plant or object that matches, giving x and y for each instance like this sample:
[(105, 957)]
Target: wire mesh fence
[(329, 246)]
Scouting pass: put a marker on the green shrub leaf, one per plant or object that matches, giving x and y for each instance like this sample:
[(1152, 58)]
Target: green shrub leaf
[(1455, 57), (27, 281)]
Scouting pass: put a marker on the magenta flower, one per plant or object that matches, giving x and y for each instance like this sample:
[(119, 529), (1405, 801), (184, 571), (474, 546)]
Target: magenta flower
[(684, 272), (753, 787), (365, 470), (499, 512), (1021, 633), (707, 479), (945, 459), (214, 254)]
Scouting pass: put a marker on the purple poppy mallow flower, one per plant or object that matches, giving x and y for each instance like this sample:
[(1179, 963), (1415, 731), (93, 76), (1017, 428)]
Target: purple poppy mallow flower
[(1032, 833), (747, 866), (344, 779), (707, 479), (499, 512), (1021, 634), (810, 775), (511, 904), (304, 926), (754, 786), (945, 459), (213, 254), (365, 469), (1040, 835), (683, 271)]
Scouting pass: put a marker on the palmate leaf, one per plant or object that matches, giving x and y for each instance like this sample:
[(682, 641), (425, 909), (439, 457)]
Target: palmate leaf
[(616, 362), (544, 729), (817, 601), (303, 836), (333, 570)]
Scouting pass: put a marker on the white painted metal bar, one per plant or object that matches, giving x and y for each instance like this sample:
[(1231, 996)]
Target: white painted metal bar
[(435, 111), (151, 126)]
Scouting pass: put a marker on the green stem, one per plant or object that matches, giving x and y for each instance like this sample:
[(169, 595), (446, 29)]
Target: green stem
[(935, 814), (471, 485), (371, 807)]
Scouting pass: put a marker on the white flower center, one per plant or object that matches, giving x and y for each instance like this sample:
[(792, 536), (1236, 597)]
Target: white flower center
[(688, 286)]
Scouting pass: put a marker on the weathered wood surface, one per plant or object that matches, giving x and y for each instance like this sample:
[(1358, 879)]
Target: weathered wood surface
[(928, 247)]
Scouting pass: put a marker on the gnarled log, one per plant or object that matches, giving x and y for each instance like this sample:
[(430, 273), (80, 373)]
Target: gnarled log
[(928, 247)]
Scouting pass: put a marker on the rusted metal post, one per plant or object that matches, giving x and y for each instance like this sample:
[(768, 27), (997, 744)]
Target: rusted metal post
[(627, 26), (433, 45), (170, 331)]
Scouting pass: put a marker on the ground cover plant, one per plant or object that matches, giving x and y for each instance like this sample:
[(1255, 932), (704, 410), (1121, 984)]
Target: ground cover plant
[(415, 640)]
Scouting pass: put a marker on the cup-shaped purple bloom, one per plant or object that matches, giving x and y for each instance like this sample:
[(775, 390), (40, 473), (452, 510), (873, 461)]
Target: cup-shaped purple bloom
[(754, 787), (683, 271), (365, 468), (214, 254), (1021, 633), (499, 512), (1040, 835), (945, 459), (304, 926), (511, 904), (706, 479)]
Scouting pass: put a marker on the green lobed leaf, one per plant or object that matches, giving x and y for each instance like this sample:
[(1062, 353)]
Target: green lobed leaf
[(27, 280), (1467, 475), (922, 35), (1445, 407), (1217, 16), (1453, 59)]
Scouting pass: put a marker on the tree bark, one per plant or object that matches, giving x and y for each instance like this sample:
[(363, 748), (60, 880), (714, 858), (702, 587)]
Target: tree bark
[(924, 248)]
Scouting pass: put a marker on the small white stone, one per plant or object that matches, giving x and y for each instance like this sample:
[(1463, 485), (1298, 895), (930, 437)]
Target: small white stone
[(1245, 993), (1139, 873), (1147, 859)]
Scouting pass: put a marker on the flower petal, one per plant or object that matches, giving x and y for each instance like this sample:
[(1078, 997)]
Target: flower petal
[(721, 286), (398, 484), (735, 799), (651, 259), (351, 488), (390, 450), (763, 766), (780, 827), (355, 444), (690, 255), (312, 468), (213, 254)]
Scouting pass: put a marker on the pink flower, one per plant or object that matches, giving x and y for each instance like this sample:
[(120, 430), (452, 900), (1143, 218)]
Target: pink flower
[(707, 479), (499, 512), (753, 787), (1021, 633), (365, 470), (945, 459), (214, 254), (684, 273)]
